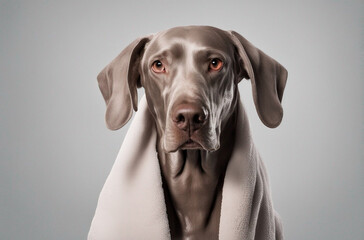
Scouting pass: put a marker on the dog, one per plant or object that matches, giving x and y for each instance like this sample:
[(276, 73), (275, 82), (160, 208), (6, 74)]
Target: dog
[(190, 76)]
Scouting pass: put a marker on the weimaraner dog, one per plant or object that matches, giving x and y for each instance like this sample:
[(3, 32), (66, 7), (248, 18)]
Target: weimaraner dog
[(190, 76)]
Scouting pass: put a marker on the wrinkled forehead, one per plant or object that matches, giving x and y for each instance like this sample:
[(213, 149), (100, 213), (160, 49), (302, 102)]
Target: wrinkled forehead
[(180, 39)]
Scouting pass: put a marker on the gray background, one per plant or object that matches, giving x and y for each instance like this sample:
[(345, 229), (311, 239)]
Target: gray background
[(56, 152)]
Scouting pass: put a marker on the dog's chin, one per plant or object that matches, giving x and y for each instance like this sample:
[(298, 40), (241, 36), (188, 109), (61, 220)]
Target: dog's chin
[(191, 145)]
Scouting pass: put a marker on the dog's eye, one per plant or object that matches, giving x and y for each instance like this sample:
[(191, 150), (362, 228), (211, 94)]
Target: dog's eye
[(158, 67), (216, 64)]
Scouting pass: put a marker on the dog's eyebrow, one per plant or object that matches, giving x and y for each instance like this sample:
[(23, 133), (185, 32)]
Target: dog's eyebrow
[(176, 50), (206, 53)]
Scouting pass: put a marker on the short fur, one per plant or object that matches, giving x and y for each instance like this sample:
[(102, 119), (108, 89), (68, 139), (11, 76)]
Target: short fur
[(208, 163)]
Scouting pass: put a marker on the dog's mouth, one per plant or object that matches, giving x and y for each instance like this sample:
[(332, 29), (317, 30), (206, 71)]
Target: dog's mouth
[(190, 144), (197, 141)]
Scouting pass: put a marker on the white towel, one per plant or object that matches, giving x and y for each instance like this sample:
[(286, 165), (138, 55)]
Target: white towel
[(131, 205)]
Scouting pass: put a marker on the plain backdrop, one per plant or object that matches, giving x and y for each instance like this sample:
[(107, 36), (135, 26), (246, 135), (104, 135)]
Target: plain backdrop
[(56, 152)]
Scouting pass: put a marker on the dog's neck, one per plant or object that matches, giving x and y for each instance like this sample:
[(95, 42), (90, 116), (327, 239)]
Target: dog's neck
[(192, 181)]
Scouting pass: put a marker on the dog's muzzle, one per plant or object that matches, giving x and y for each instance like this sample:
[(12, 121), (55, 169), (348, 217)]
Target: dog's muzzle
[(188, 128)]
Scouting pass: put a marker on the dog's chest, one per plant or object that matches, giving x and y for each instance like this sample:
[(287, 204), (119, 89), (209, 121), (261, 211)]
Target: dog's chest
[(196, 198)]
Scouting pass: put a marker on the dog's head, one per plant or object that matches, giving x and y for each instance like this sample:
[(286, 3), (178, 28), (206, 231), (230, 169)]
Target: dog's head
[(190, 77)]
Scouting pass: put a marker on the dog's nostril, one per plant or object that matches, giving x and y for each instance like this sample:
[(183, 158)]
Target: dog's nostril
[(180, 118), (199, 118)]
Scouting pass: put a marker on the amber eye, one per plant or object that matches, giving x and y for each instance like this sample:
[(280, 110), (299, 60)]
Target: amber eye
[(158, 67), (215, 64)]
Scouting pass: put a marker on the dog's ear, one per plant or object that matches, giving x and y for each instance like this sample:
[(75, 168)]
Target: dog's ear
[(268, 79), (118, 83)]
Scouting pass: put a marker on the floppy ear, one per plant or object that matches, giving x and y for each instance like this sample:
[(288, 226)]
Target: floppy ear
[(118, 83), (268, 79)]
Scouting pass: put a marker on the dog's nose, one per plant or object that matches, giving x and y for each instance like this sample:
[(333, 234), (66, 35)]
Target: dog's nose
[(189, 117)]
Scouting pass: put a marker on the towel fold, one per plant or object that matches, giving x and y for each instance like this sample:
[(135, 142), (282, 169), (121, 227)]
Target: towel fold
[(131, 205)]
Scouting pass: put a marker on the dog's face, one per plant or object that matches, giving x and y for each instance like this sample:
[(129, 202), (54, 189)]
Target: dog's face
[(190, 77)]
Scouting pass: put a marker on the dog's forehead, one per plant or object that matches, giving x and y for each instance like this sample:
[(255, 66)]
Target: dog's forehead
[(202, 37)]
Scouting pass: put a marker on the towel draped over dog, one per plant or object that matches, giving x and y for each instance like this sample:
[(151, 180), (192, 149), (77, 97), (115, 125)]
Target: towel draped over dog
[(131, 205)]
